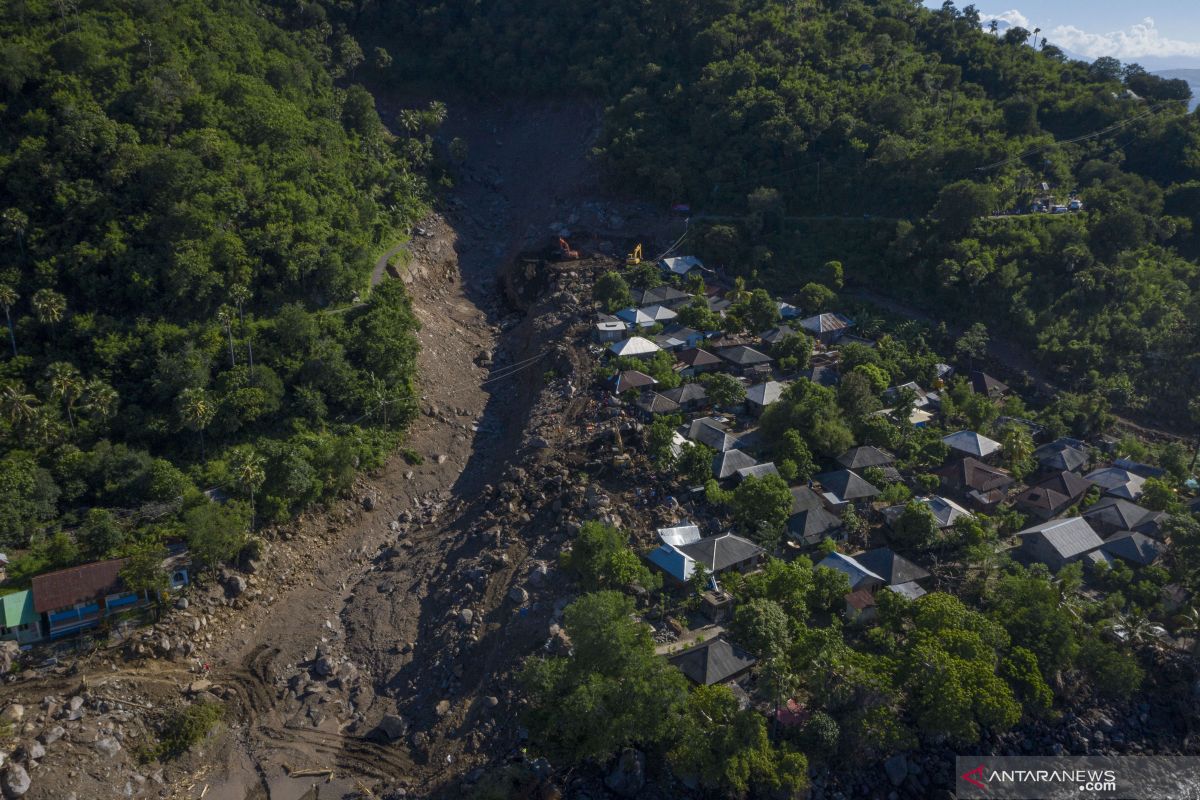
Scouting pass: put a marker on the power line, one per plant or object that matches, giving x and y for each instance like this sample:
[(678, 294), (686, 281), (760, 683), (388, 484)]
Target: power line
[(1114, 127)]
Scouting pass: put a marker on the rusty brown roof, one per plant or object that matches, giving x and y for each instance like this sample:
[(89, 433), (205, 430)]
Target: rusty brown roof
[(66, 587)]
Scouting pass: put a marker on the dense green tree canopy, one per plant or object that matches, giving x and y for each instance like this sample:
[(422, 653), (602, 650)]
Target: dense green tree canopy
[(190, 207)]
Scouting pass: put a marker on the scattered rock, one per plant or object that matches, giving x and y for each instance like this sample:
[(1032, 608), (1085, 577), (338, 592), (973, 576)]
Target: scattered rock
[(15, 781), (108, 746), (235, 585), (195, 687), (181, 603), (518, 595), (52, 735), (14, 713), (389, 729), (466, 617), (326, 666), (368, 502), (443, 707), (491, 701), (34, 750), (628, 775)]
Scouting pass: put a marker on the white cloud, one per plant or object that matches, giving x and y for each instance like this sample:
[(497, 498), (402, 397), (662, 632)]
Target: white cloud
[(1141, 40), (1010, 19)]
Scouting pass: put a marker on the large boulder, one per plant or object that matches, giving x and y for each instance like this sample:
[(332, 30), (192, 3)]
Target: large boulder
[(627, 777), (391, 728), (15, 781)]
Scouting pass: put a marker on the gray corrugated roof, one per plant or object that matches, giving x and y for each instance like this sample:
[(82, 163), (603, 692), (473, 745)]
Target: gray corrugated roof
[(709, 432), (758, 471), (893, 568), (1069, 537), (846, 485), (743, 355), (687, 393), (812, 525), (764, 394), (720, 552), (725, 464), (865, 456), (971, 443), (1134, 547), (714, 662)]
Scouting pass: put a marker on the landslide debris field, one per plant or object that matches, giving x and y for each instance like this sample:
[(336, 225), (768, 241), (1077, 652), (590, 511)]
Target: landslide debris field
[(370, 650)]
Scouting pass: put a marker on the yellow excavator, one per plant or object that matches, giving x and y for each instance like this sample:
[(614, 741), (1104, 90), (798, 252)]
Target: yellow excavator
[(634, 258)]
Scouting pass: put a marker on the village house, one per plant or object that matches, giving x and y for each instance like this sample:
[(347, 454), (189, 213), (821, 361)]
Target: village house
[(761, 395), (651, 404), (823, 375), (710, 433), (689, 396), (827, 328), (844, 487), (694, 361), (1136, 548), (1059, 542), (982, 486), (860, 577), (609, 330), (680, 265), (634, 347), (982, 383), (630, 380), (1052, 496), (1062, 454), (972, 444), (860, 607), (1117, 482), (713, 662), (19, 620), (744, 359), (725, 465), (757, 471), (898, 573), (1110, 515), (865, 456), (78, 598), (682, 549), (945, 512), (775, 335), (923, 399), (678, 337), (810, 522), (664, 295)]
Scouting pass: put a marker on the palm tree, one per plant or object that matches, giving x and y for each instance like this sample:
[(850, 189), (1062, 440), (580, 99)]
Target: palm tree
[(99, 399), (1135, 629), (240, 295), (8, 298), (49, 305), (197, 411), (225, 317), (247, 469), (1190, 624), (16, 222), (16, 404), (66, 384)]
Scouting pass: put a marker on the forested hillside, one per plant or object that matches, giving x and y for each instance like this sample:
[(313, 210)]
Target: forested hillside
[(770, 113), (191, 208)]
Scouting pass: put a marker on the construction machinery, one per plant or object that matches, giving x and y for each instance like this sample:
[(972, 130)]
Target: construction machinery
[(565, 252), (634, 258)]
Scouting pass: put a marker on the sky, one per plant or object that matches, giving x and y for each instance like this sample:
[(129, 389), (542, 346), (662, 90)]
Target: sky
[(1158, 34)]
